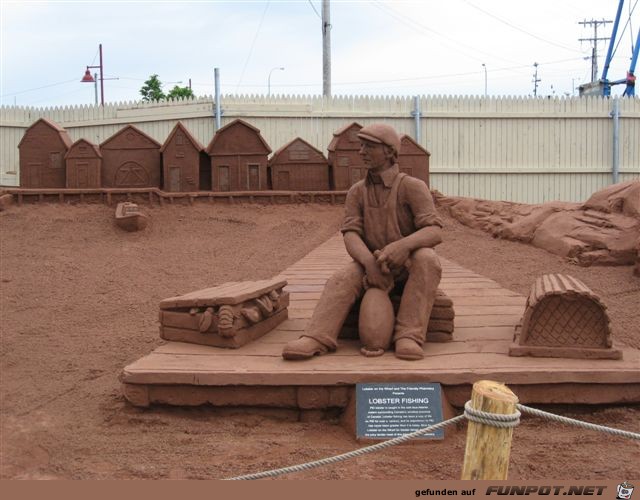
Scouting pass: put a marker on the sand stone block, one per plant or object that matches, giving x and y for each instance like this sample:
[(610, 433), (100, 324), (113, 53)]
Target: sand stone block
[(136, 394), (563, 318), (6, 199), (313, 398), (129, 217), (229, 315), (439, 328)]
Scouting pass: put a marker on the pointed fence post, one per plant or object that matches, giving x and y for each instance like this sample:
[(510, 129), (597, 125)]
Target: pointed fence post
[(488, 447)]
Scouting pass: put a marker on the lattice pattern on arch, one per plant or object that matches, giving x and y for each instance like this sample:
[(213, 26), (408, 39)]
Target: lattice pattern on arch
[(575, 322), (563, 318)]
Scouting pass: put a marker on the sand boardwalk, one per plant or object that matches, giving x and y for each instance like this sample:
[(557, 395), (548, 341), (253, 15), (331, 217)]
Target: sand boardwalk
[(486, 314)]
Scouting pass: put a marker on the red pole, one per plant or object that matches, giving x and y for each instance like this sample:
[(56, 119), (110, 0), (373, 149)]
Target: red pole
[(101, 78)]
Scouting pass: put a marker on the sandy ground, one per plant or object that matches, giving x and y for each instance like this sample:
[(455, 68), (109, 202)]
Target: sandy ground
[(79, 301)]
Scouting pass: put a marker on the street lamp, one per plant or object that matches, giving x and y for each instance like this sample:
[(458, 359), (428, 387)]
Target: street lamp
[(269, 79), (485, 79), (87, 78)]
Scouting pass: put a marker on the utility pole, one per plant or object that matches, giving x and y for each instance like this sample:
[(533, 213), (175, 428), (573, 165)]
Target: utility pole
[(326, 50), (485, 79), (217, 108), (536, 80), (594, 49)]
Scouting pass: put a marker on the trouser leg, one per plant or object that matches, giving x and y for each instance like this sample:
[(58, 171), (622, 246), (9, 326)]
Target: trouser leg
[(337, 299), (418, 296)]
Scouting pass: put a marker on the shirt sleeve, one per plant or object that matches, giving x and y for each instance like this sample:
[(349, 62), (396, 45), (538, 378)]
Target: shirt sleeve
[(353, 211), (421, 203)]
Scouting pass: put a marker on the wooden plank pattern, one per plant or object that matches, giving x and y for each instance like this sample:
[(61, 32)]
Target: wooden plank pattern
[(231, 293), (486, 315)]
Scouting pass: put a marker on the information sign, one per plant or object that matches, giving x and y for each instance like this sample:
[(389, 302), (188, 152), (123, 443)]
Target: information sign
[(388, 410)]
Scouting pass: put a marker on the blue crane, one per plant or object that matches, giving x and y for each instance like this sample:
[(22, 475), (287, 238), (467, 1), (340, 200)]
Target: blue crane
[(603, 86)]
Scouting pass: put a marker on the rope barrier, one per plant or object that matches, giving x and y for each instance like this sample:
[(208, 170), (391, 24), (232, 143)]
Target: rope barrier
[(492, 419), (578, 423), (351, 454), (471, 414)]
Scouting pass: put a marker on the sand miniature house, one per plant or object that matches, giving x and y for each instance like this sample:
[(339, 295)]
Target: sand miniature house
[(298, 166), (345, 164), (130, 158), (84, 164), (185, 167), (42, 151), (238, 158), (414, 159)]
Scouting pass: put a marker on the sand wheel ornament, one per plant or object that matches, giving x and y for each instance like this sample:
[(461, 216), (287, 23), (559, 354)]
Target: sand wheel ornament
[(132, 174)]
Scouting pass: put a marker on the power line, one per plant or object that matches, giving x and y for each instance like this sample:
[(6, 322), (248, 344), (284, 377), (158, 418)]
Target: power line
[(95, 56), (74, 91), (38, 88), (412, 23), (628, 23), (264, 12), (503, 21), (408, 79), (314, 9)]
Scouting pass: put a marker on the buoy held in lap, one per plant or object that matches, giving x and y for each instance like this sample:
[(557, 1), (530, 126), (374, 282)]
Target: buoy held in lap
[(375, 323)]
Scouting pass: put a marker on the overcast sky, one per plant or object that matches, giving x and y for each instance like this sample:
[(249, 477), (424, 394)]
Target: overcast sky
[(429, 47)]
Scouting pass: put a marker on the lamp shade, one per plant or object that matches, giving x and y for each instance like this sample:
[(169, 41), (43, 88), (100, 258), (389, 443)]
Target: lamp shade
[(87, 78)]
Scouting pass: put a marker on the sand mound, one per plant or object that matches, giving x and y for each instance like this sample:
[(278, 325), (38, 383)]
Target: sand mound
[(603, 231)]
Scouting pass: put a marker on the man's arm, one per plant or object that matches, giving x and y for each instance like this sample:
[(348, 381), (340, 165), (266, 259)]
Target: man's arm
[(396, 253), (357, 248), (428, 233)]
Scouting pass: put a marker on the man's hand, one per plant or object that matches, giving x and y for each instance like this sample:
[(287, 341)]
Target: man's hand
[(377, 276), (394, 255), (378, 279)]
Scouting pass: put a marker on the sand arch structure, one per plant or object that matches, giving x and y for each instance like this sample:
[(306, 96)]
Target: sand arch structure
[(563, 318)]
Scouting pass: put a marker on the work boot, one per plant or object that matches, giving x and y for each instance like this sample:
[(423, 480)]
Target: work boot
[(408, 349), (303, 348)]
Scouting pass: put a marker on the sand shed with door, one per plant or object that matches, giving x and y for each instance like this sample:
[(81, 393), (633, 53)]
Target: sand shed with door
[(185, 166), (131, 159), (414, 159), (345, 165), (84, 164), (238, 158), (298, 166), (42, 151)]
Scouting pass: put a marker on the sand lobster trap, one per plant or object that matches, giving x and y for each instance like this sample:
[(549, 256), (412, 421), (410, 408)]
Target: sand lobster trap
[(230, 315), (564, 319)]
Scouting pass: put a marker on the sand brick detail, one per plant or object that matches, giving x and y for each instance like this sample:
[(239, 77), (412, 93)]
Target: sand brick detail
[(439, 328)]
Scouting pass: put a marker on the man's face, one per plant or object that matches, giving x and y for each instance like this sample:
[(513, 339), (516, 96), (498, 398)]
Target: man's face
[(373, 154)]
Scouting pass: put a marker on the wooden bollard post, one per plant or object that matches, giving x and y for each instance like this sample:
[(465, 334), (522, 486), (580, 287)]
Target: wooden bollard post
[(487, 453)]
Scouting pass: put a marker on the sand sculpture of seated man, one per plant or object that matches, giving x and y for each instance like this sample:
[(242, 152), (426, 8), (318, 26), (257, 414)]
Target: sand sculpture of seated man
[(390, 229)]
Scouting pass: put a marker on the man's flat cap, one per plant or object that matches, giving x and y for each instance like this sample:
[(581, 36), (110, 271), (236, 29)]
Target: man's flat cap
[(382, 134)]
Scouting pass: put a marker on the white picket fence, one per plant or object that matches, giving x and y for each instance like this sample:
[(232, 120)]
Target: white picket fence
[(500, 148)]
